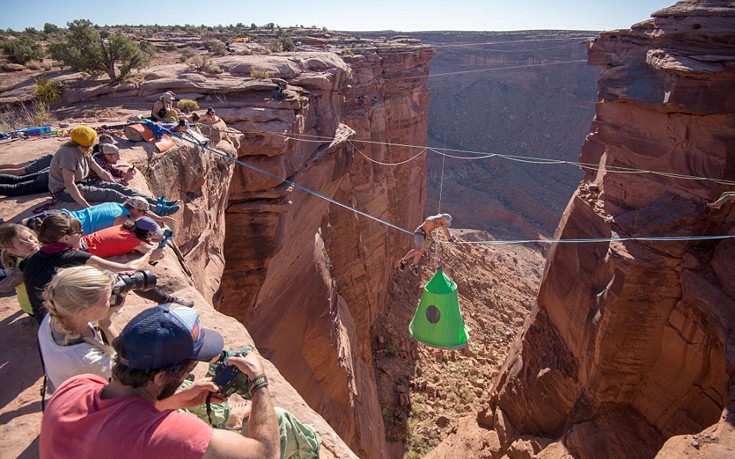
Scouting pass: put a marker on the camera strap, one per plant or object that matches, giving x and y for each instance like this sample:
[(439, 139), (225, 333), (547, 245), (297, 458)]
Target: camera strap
[(44, 382), (209, 409)]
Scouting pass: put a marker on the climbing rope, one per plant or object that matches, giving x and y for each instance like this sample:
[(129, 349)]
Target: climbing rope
[(487, 242)]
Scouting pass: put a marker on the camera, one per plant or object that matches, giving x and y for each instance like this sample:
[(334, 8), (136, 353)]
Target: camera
[(229, 378), (141, 280)]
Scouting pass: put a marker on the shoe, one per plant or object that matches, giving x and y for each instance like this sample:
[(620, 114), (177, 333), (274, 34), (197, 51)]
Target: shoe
[(181, 301), (415, 269), (402, 266), (162, 210), (165, 202)]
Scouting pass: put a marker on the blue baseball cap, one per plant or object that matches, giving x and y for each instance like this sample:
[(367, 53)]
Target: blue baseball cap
[(160, 337)]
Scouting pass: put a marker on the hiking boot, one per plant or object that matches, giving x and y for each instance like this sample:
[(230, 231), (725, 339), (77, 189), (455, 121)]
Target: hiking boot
[(165, 202), (402, 266), (162, 210), (181, 301), (415, 269)]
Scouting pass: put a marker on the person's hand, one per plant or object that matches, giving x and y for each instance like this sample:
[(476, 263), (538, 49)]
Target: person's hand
[(129, 174), (194, 394), (249, 363)]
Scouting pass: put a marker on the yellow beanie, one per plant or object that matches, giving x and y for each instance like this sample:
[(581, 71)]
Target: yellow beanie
[(84, 136)]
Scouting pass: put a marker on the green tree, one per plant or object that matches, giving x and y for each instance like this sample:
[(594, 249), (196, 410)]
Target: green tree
[(49, 28), (22, 50), (89, 51)]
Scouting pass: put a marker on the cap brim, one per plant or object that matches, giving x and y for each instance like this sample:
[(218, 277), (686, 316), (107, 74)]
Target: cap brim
[(213, 344)]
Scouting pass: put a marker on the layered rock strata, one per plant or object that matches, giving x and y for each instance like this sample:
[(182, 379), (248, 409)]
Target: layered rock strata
[(631, 342), (307, 276)]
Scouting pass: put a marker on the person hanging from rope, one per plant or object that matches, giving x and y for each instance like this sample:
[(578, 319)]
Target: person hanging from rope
[(726, 196), (423, 232)]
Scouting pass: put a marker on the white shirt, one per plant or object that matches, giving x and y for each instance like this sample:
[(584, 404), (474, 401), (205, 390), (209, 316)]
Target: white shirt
[(63, 362)]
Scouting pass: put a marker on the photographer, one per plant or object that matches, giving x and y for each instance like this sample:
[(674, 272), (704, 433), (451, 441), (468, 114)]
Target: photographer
[(61, 236), (134, 414), (70, 344)]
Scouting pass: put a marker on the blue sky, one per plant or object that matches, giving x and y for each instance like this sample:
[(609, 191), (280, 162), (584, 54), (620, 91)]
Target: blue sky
[(401, 15)]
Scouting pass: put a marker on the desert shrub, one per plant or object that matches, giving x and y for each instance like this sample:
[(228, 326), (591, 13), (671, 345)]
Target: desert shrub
[(22, 50), (47, 90), (199, 63), (50, 29), (258, 74), (213, 69), (186, 54), (187, 105), (148, 48), (275, 46), (172, 47), (287, 44), (34, 65), (216, 47), (24, 116), (87, 50)]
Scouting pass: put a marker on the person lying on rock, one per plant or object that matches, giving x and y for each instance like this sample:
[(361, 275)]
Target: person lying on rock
[(61, 238), (423, 232), (105, 215), (132, 236), (69, 172), (17, 242), (22, 179), (134, 415)]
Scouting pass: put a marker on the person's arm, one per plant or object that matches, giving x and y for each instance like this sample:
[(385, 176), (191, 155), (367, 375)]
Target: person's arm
[(14, 279), (156, 254), (263, 436), (101, 173), (194, 394), (446, 232), (71, 187), (157, 108), (158, 218), (132, 265), (106, 324)]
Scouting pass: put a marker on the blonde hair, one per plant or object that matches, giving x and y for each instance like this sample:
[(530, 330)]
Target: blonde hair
[(71, 291), (9, 232)]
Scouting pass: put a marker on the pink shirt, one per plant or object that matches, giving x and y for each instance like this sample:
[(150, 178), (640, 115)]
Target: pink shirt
[(78, 424)]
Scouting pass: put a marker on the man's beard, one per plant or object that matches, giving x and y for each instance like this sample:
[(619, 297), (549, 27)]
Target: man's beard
[(172, 383)]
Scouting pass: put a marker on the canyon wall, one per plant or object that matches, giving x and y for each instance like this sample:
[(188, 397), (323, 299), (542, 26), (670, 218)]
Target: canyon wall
[(307, 276), (631, 342)]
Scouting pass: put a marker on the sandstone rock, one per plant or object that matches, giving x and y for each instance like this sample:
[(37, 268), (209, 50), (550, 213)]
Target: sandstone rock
[(627, 345)]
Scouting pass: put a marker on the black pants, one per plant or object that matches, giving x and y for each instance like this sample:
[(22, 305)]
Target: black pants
[(21, 185), (156, 295)]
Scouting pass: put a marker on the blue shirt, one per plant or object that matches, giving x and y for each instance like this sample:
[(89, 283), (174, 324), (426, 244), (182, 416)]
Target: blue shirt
[(98, 217)]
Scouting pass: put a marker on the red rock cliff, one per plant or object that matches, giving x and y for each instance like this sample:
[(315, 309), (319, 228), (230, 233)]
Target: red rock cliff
[(631, 342), (308, 277)]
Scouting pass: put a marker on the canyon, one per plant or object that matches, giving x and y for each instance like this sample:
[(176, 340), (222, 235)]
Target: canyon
[(617, 349)]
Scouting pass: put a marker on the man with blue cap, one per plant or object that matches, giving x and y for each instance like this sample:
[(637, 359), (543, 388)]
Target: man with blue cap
[(134, 415)]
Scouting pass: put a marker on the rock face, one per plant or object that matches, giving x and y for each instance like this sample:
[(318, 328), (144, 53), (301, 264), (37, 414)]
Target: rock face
[(306, 276), (631, 342)]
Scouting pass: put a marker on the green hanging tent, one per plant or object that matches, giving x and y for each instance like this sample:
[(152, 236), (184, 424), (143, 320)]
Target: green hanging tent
[(438, 321)]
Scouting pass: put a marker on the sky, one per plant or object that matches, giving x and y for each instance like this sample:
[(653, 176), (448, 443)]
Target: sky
[(345, 15)]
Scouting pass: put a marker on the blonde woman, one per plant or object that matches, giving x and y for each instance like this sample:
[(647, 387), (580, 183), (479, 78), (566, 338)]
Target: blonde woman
[(17, 242), (77, 298)]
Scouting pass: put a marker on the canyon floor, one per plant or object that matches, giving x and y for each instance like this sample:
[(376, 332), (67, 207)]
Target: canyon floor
[(426, 391)]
